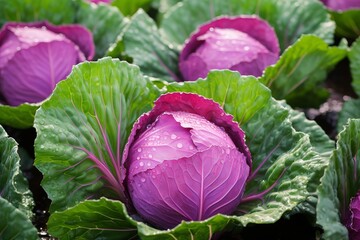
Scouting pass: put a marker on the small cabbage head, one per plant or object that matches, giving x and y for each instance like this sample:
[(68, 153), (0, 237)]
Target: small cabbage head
[(186, 160), (352, 221), (34, 57), (246, 44), (341, 5)]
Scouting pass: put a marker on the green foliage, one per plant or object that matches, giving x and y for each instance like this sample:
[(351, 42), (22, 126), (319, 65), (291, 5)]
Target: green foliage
[(15, 198), (335, 189)]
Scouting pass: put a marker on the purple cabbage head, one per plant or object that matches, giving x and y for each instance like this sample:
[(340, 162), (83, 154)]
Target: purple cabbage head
[(342, 5), (352, 221), (246, 44), (186, 160), (34, 57)]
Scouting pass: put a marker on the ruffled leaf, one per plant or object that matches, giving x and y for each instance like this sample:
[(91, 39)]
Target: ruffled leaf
[(142, 43), (354, 57), (298, 75), (347, 23), (14, 223), (335, 190), (83, 128), (103, 218), (15, 198), (13, 185), (350, 109)]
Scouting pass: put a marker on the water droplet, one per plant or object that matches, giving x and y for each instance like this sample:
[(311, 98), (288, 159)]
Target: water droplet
[(154, 149), (138, 158), (211, 29), (141, 164), (173, 136), (150, 155), (149, 164), (153, 176), (191, 147), (246, 48), (139, 150), (18, 48), (148, 126), (142, 179), (179, 145), (227, 151)]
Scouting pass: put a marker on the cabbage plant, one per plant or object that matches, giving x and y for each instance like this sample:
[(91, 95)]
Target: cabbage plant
[(90, 172), (338, 203), (105, 24), (245, 44), (36, 56), (303, 29)]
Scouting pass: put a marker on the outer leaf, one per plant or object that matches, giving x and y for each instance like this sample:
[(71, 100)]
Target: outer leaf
[(300, 71), (354, 56), (105, 23), (350, 109), (322, 144), (21, 116), (15, 224), (347, 23), (335, 189), (141, 42), (13, 185), (318, 138), (226, 86), (93, 219), (83, 127), (290, 18)]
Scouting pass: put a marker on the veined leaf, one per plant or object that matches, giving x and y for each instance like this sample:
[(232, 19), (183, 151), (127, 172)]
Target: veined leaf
[(142, 42), (13, 185), (14, 223), (335, 190), (15, 198), (300, 71), (354, 57), (347, 23), (83, 128), (93, 219)]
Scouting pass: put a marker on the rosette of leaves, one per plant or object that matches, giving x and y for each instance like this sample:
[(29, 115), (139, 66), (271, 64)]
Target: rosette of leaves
[(298, 74), (340, 183), (15, 198), (105, 23), (351, 108), (83, 127)]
